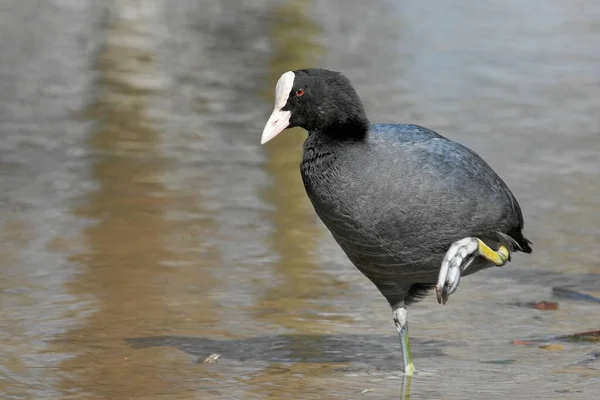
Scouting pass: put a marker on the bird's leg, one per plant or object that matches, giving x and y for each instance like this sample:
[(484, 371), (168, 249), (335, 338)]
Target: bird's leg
[(458, 258), (401, 321)]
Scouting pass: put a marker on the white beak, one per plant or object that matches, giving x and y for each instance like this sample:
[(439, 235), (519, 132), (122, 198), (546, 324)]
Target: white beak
[(279, 119)]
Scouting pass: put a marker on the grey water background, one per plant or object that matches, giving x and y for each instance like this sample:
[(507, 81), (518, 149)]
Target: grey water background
[(143, 228)]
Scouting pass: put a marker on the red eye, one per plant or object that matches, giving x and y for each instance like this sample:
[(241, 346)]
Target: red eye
[(299, 92)]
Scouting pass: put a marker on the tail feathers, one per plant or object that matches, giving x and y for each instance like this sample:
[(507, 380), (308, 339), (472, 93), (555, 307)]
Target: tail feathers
[(517, 240)]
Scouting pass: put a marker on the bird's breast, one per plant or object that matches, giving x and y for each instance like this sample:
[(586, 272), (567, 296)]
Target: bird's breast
[(370, 219)]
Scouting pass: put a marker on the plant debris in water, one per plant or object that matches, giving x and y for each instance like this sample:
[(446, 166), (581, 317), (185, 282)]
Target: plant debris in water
[(500, 362), (540, 305), (589, 336), (552, 347), (211, 359), (565, 293)]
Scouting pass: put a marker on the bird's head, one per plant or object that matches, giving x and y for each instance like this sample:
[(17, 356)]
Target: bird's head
[(316, 100)]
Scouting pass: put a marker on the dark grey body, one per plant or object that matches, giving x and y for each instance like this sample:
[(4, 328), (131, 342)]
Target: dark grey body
[(396, 200)]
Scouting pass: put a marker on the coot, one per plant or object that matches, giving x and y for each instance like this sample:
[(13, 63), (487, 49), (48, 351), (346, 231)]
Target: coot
[(411, 209)]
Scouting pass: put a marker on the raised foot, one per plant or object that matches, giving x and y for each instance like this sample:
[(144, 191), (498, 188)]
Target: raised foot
[(458, 258)]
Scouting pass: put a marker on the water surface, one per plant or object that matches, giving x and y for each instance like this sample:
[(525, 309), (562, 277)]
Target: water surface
[(144, 229)]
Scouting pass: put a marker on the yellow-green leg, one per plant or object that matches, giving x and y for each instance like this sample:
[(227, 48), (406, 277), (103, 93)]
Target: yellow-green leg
[(498, 258), (401, 321)]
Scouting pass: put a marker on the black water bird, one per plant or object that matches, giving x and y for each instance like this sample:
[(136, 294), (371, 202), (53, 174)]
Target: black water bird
[(411, 209)]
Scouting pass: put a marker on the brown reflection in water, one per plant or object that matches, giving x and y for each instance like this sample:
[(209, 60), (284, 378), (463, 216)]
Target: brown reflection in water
[(300, 281), (125, 277), (296, 235)]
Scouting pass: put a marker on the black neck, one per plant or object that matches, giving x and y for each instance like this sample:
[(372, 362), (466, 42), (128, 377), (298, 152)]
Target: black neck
[(349, 130)]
